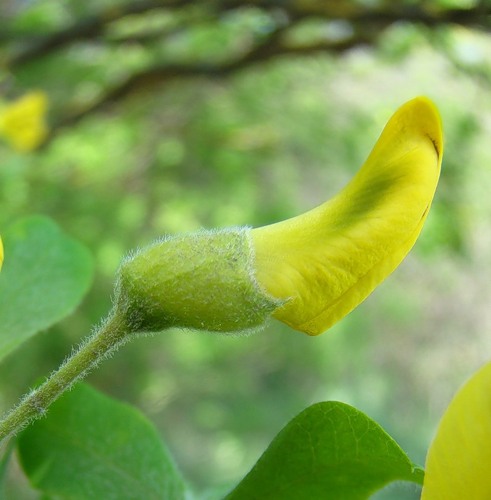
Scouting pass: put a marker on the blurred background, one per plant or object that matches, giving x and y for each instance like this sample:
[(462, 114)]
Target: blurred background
[(171, 115)]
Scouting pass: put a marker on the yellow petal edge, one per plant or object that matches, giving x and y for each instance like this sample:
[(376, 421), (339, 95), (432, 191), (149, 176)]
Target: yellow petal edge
[(1, 254), (458, 465), (325, 262)]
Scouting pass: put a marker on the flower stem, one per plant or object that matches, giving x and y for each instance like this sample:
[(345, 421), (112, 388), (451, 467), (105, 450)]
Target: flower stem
[(111, 335)]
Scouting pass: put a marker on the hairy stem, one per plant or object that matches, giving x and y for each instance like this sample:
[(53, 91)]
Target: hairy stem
[(111, 334)]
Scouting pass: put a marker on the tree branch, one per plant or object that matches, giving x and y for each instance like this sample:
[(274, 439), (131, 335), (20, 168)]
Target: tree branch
[(87, 29), (367, 25), (478, 17), (161, 75)]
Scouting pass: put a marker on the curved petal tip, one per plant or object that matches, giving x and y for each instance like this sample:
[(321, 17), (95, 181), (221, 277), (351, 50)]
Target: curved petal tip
[(325, 262)]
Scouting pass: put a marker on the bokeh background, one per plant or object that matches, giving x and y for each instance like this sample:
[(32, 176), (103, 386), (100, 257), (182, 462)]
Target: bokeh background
[(170, 115)]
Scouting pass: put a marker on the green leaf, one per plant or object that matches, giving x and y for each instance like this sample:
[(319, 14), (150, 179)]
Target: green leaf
[(44, 276), (91, 446), (330, 450), (4, 462)]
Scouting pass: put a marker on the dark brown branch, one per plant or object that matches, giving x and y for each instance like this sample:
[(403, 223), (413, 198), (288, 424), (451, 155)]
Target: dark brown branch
[(478, 17), (367, 25), (162, 75), (88, 28), (158, 75)]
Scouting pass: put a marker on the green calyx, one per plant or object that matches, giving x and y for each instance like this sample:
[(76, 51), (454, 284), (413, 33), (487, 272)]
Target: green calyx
[(203, 280)]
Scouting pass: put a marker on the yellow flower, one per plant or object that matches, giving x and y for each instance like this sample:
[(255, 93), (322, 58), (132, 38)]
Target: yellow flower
[(323, 263), (1, 253), (458, 464), (22, 122), (308, 271)]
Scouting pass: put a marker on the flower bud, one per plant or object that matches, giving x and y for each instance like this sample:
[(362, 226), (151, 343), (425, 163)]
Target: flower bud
[(202, 280), (308, 271)]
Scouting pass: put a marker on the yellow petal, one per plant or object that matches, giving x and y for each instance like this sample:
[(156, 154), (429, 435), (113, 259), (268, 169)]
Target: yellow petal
[(325, 262), (1, 253), (458, 465), (22, 122)]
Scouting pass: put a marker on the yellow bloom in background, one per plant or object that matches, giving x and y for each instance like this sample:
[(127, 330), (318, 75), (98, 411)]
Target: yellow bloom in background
[(323, 263), (23, 122), (458, 465)]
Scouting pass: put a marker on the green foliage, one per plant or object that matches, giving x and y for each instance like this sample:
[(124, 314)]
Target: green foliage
[(4, 461), (330, 451), (91, 446), (46, 273), (271, 141)]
